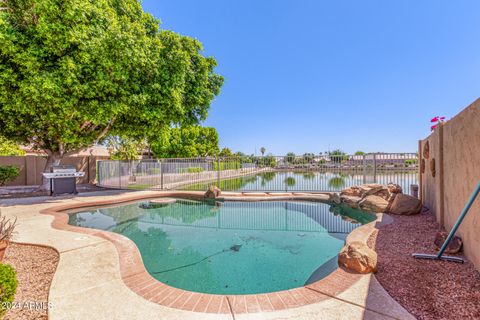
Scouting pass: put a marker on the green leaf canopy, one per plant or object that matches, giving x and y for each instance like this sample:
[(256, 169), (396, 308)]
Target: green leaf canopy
[(73, 72), (186, 142)]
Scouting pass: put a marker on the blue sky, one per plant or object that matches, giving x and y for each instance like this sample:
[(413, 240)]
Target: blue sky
[(311, 76)]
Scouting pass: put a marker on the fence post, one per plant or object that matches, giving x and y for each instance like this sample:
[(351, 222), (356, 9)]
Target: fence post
[(119, 175), (161, 174), (218, 172), (364, 165)]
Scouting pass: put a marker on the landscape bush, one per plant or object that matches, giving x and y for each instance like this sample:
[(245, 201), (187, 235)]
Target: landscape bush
[(230, 165), (7, 174), (192, 170), (8, 287)]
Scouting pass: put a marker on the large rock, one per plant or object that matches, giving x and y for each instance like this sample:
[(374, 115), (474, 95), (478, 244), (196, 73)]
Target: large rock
[(373, 203), (454, 246), (358, 257), (404, 204), (213, 192), (371, 188), (335, 198), (354, 191), (394, 188), (351, 201), (364, 190)]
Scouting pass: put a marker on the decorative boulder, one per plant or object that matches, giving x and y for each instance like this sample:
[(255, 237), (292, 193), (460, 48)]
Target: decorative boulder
[(335, 198), (454, 246), (351, 201), (371, 188), (394, 188), (358, 257), (404, 204), (354, 191), (213, 192), (373, 203)]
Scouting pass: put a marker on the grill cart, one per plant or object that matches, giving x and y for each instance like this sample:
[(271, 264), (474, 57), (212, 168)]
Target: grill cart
[(63, 179)]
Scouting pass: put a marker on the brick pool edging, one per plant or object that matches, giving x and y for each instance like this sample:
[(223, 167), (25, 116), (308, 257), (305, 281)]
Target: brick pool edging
[(137, 278)]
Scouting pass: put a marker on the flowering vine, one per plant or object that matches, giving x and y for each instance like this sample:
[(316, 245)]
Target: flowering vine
[(437, 120)]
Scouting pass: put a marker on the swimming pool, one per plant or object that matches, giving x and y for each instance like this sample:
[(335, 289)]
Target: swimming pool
[(231, 247)]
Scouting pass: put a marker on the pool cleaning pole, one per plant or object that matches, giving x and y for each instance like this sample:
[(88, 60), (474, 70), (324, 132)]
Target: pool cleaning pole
[(452, 232)]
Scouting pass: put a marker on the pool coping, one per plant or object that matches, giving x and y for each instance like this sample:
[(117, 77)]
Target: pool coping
[(137, 279)]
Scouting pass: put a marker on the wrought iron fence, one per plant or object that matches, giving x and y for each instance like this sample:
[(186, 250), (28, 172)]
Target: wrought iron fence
[(261, 173)]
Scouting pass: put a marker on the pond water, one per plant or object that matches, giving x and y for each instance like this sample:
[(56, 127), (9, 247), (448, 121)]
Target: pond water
[(311, 181)]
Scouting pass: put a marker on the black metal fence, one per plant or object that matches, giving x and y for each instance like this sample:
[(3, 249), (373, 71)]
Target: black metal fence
[(261, 173)]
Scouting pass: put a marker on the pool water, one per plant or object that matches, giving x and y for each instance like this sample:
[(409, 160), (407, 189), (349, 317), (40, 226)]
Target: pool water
[(232, 247)]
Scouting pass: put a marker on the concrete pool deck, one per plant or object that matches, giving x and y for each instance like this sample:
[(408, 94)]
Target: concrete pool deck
[(90, 279)]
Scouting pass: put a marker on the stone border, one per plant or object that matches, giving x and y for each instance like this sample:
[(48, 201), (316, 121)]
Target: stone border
[(137, 278)]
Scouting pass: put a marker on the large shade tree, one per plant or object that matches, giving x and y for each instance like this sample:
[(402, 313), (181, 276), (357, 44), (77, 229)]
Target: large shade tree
[(74, 72), (185, 142), (9, 148)]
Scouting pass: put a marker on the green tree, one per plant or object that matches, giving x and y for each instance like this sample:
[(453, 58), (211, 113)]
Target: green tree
[(338, 156), (262, 150), (225, 152), (359, 153), (308, 157), (125, 148), (73, 72), (186, 142), (9, 148), (270, 161), (290, 157)]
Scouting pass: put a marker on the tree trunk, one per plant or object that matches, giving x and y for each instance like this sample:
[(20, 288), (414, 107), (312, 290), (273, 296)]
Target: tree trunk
[(53, 159)]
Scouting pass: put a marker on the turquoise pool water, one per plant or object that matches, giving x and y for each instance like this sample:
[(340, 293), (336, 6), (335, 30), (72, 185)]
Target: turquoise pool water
[(232, 247)]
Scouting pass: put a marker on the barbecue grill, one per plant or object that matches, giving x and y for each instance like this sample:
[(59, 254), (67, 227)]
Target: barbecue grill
[(63, 179)]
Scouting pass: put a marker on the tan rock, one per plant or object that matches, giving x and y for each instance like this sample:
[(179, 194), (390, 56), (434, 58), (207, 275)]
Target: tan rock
[(394, 188), (358, 257), (373, 203), (371, 188), (454, 246), (335, 198), (350, 201), (213, 192), (352, 192), (404, 204)]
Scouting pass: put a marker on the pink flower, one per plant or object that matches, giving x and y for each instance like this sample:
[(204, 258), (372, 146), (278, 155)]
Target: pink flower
[(433, 127), (442, 118), (434, 119)]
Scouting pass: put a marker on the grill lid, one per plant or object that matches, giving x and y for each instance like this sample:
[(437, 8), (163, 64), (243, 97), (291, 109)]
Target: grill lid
[(63, 169)]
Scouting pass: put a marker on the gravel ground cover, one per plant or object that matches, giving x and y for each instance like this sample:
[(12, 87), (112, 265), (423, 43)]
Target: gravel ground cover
[(35, 267), (427, 289)]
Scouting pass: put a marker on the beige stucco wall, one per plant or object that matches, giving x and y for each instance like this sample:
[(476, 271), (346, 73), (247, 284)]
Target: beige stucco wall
[(31, 168), (461, 173), (431, 185)]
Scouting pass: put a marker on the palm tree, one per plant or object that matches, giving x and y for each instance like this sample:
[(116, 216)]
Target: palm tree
[(262, 150)]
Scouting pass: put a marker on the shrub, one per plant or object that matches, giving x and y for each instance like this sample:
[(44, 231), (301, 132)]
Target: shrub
[(7, 174), (230, 165), (192, 170), (411, 162), (8, 287), (7, 226)]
